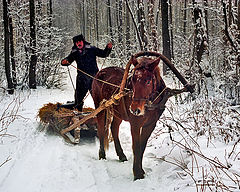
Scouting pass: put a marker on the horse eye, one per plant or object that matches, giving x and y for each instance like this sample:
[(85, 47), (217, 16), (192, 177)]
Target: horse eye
[(148, 82)]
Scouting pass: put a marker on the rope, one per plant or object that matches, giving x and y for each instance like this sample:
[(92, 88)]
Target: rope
[(70, 77), (103, 63), (98, 79), (159, 94)]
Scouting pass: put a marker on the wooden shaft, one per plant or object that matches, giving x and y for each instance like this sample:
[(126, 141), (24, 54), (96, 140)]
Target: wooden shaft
[(102, 106), (124, 79)]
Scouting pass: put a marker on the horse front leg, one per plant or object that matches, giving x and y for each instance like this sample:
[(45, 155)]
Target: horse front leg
[(146, 131), (145, 134), (137, 160)]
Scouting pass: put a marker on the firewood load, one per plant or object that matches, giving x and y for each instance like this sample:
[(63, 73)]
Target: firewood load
[(56, 118)]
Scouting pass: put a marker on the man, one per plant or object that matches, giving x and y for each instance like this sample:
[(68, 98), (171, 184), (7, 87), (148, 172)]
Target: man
[(85, 56)]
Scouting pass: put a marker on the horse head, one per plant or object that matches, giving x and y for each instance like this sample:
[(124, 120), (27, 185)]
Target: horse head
[(143, 83)]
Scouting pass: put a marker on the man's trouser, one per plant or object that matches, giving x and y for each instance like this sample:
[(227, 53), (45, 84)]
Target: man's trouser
[(83, 85)]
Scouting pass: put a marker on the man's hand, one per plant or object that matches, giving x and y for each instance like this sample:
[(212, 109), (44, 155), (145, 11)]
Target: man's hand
[(65, 62), (109, 45)]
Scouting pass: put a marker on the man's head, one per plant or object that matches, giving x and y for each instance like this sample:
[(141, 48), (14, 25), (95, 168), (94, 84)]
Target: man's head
[(79, 41), (80, 44)]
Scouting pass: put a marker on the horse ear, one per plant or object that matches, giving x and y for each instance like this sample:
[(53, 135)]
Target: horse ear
[(134, 61), (151, 66)]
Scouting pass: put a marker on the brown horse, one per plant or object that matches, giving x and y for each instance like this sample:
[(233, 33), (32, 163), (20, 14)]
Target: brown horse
[(142, 107)]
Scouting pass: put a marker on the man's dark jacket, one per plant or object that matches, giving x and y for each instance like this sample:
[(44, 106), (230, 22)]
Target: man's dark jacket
[(86, 60)]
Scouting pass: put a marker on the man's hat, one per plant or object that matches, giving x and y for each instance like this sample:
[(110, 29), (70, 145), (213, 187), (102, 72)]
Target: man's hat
[(78, 38)]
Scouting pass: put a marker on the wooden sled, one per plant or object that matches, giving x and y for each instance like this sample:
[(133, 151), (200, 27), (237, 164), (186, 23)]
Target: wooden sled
[(57, 118)]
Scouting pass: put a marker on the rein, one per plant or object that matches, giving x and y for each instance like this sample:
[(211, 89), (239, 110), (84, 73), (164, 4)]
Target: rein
[(70, 77), (159, 95), (150, 103), (97, 78)]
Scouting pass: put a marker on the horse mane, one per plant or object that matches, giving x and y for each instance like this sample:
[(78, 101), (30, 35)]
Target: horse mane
[(157, 72), (158, 77), (142, 62)]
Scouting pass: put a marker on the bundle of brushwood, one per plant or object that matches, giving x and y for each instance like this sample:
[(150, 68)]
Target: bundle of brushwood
[(56, 118)]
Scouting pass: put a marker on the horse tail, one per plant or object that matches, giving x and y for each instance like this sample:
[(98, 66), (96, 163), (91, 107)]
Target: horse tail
[(108, 122)]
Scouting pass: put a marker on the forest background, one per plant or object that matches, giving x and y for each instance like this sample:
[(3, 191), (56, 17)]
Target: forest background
[(200, 37)]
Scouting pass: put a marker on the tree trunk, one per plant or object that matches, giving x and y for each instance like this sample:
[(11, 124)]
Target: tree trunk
[(206, 19), (110, 21), (238, 16), (50, 13), (84, 19), (120, 24), (12, 50), (157, 15), (238, 39), (171, 28), (128, 42), (200, 33), (135, 25), (33, 57), (165, 33), (154, 42), (230, 19), (97, 33), (141, 24), (6, 47), (185, 19)]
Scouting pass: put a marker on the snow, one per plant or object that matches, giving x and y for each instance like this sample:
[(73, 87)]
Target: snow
[(40, 162)]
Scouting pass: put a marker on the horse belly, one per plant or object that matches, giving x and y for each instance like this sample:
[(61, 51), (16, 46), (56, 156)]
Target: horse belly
[(110, 78)]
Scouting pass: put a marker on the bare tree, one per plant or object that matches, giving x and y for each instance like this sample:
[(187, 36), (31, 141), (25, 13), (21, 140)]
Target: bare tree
[(154, 42), (135, 25), (165, 33), (96, 28), (6, 47), (185, 18), (120, 23), (200, 35), (12, 50), (33, 60), (110, 20), (128, 35), (171, 27), (141, 23), (238, 16)]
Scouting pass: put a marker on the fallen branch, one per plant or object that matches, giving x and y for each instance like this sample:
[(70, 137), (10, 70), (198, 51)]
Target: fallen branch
[(8, 159), (234, 146)]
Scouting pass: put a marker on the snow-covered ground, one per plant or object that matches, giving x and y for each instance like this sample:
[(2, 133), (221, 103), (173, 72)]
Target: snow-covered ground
[(39, 162)]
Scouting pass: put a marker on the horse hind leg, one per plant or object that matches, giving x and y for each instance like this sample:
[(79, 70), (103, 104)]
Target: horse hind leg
[(101, 134), (115, 133)]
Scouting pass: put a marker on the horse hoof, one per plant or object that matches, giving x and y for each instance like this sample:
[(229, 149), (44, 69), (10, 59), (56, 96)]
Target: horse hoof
[(122, 158), (138, 177), (102, 155)]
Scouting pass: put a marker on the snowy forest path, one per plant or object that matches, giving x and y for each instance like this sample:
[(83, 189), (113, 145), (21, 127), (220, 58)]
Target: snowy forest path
[(42, 162)]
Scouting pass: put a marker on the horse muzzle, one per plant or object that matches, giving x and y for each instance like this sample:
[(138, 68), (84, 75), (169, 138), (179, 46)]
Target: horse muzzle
[(137, 108)]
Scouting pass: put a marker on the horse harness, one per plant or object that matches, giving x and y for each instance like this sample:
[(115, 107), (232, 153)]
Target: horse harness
[(153, 98)]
